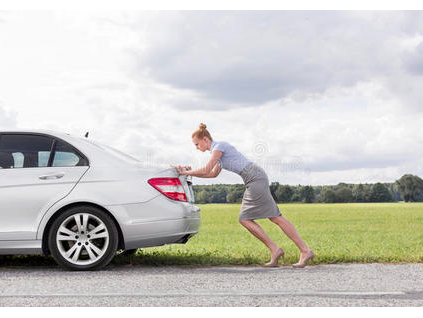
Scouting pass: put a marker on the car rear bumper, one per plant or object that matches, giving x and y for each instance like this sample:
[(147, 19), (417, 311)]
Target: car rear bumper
[(156, 222)]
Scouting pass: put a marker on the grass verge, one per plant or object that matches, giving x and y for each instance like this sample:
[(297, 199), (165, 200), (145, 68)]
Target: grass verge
[(338, 233)]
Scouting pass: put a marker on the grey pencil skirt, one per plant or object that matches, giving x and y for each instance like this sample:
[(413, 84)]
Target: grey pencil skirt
[(257, 202)]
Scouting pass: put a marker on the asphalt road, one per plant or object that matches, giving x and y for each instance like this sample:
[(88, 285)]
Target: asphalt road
[(323, 285)]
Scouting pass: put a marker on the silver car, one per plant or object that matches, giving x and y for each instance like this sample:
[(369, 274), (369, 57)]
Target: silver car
[(81, 201)]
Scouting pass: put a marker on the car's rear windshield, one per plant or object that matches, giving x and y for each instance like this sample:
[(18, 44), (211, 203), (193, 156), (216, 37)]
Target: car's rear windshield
[(116, 153)]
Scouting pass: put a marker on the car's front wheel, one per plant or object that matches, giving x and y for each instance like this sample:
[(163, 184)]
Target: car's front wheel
[(83, 238)]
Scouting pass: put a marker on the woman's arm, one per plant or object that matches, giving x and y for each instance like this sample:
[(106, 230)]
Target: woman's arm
[(206, 170), (214, 173)]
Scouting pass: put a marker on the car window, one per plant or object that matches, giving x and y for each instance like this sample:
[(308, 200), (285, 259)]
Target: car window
[(114, 152), (24, 151), (19, 159), (43, 157), (66, 156)]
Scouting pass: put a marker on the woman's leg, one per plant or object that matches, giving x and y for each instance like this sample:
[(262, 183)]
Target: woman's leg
[(258, 232), (292, 233)]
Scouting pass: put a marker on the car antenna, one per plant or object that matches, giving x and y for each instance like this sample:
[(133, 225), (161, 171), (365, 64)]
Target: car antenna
[(86, 134)]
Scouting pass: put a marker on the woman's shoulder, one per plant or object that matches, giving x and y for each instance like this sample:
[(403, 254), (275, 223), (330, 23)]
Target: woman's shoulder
[(221, 145), (222, 142)]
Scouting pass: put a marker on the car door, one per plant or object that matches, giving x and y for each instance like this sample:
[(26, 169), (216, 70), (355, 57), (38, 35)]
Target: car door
[(35, 172)]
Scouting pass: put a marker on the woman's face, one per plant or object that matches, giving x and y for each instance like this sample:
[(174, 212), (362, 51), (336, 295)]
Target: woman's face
[(201, 144)]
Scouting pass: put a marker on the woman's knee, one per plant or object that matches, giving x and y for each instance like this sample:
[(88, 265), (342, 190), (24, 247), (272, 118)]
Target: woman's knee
[(245, 222), (276, 220)]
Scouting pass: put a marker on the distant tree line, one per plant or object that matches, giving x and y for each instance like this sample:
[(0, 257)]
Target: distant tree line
[(408, 188)]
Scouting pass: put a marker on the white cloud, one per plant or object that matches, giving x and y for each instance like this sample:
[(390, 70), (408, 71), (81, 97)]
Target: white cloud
[(7, 119), (240, 58)]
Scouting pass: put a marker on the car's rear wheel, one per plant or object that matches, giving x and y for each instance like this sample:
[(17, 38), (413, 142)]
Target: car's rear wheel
[(83, 238)]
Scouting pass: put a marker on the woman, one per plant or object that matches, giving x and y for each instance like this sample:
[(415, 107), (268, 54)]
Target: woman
[(257, 202)]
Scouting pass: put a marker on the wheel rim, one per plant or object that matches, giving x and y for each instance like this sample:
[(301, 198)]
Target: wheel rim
[(82, 239)]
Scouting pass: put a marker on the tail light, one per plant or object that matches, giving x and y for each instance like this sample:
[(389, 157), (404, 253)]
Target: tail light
[(170, 187)]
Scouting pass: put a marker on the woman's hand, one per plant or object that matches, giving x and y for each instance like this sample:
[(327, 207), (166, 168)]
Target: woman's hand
[(181, 169)]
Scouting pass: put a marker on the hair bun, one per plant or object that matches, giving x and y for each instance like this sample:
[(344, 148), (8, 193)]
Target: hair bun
[(203, 126)]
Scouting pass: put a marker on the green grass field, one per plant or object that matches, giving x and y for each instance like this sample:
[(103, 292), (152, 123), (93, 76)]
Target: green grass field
[(338, 233)]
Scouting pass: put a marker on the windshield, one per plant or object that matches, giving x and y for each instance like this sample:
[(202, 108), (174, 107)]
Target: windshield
[(113, 151)]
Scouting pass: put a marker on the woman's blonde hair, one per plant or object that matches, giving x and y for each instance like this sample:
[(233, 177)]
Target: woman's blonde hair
[(202, 132)]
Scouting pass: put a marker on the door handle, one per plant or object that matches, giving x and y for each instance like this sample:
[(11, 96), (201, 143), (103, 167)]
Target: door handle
[(57, 175)]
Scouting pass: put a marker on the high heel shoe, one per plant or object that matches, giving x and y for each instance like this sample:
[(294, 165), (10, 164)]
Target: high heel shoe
[(302, 264), (274, 262)]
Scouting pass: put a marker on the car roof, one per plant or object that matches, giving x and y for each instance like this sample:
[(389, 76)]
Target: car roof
[(38, 131)]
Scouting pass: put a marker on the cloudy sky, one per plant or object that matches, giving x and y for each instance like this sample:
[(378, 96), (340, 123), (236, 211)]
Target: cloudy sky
[(314, 97)]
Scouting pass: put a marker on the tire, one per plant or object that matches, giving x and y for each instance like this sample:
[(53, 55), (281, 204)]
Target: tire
[(83, 238)]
